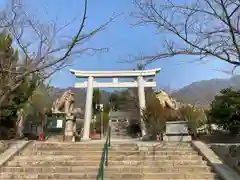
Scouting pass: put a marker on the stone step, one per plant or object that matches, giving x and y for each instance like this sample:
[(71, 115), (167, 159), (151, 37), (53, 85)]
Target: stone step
[(184, 144), (80, 149), (72, 144), (55, 145), (180, 175), (111, 157), (73, 152), (152, 149), (68, 148), (154, 144), (116, 169), (119, 152), (171, 148), (174, 151), (181, 162), (47, 146), (108, 175), (88, 163), (134, 179), (79, 145)]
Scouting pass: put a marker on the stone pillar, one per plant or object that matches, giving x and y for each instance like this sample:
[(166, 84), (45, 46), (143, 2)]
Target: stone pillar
[(74, 130), (142, 102), (88, 109), (69, 128)]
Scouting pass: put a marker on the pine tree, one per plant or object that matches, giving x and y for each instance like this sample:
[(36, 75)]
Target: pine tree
[(8, 61), (8, 70)]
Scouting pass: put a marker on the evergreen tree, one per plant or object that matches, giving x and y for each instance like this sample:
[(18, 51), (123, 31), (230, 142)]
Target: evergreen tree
[(8, 62), (225, 110), (96, 100)]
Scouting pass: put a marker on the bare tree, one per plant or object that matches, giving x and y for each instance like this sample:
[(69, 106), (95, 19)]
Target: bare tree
[(42, 48), (202, 28)]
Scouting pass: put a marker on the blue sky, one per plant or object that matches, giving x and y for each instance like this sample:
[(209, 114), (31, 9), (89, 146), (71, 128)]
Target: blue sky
[(122, 41)]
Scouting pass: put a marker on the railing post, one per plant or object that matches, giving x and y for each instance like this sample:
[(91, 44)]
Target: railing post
[(102, 171), (109, 136), (104, 157), (106, 162)]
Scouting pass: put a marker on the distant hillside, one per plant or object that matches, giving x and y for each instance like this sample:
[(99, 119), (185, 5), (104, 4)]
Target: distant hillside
[(203, 92)]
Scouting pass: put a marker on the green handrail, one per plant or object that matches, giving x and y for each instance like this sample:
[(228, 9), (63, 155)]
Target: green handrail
[(104, 157)]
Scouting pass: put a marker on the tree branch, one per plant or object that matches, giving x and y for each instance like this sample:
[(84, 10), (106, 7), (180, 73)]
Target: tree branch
[(48, 57), (204, 28)]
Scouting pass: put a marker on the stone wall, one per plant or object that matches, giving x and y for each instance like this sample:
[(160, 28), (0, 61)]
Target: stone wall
[(229, 153)]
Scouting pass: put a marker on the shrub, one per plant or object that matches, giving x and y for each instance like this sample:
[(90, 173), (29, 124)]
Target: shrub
[(155, 116), (195, 117), (225, 110)]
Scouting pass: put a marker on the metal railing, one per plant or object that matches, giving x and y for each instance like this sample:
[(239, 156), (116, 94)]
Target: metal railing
[(104, 157)]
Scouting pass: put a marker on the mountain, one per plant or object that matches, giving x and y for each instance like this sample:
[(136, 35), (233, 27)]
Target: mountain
[(202, 93)]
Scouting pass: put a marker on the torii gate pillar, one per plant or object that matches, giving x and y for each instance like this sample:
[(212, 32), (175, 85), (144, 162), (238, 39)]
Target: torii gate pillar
[(88, 109), (142, 103)]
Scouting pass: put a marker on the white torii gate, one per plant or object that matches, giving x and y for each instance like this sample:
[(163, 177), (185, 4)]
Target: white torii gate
[(91, 83)]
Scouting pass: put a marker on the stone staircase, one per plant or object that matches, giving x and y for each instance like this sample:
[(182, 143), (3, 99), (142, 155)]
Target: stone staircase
[(129, 161), (119, 130)]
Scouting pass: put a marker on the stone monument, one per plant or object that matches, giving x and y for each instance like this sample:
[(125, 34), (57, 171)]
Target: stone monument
[(175, 130), (65, 105), (166, 101), (20, 123)]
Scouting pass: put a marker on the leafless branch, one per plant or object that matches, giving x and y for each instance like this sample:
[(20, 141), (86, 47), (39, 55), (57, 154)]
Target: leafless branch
[(43, 51), (200, 28)]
